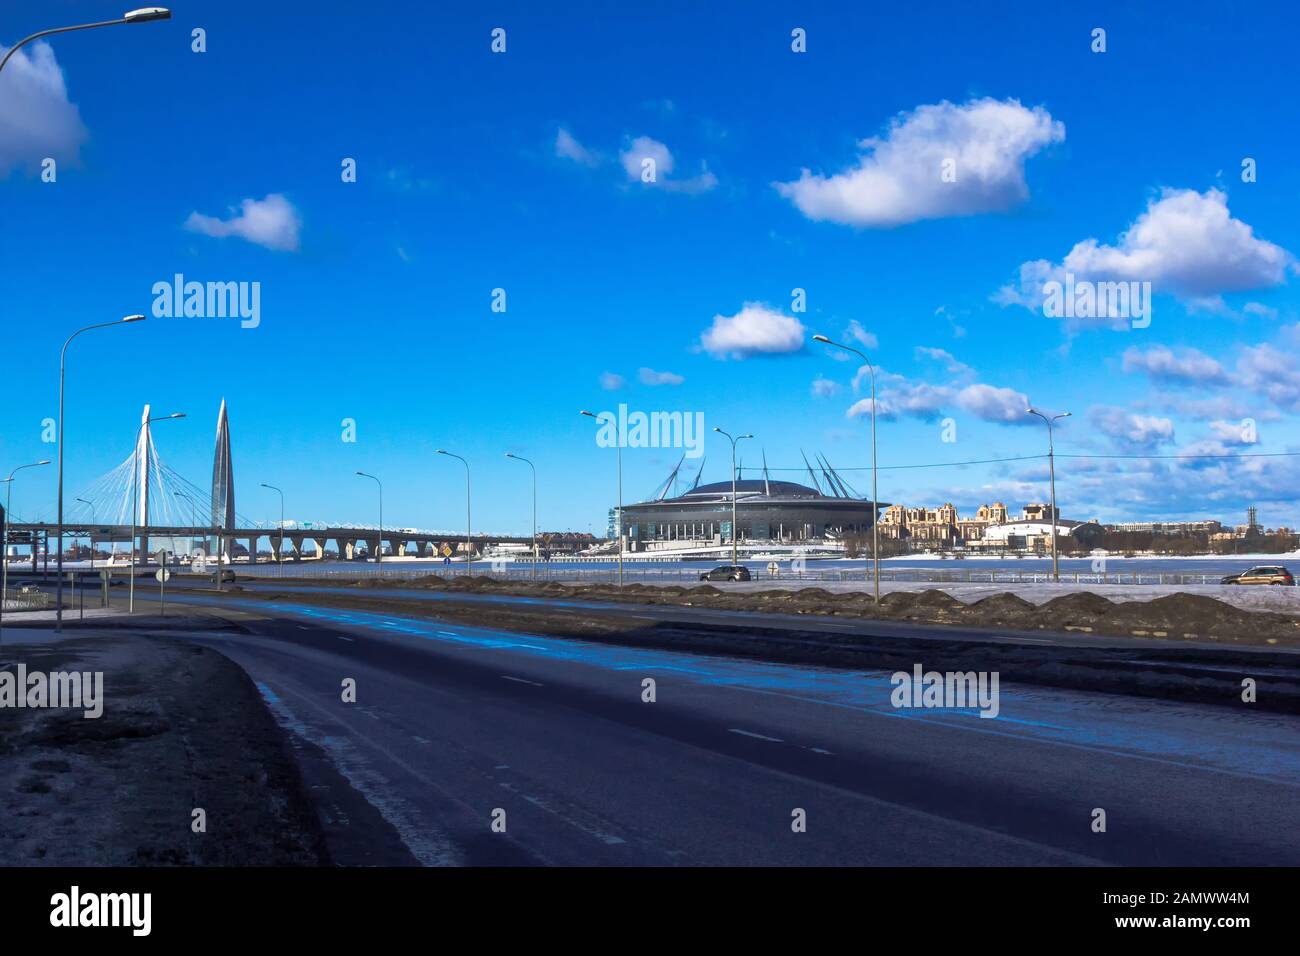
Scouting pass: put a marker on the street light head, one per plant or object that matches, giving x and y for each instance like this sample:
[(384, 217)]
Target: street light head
[(587, 413), (716, 428), (146, 14), (744, 436), (45, 462), (177, 415), (441, 452), (133, 318), (821, 338), (1065, 414)]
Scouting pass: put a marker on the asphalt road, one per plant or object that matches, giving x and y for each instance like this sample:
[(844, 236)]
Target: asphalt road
[(453, 723)]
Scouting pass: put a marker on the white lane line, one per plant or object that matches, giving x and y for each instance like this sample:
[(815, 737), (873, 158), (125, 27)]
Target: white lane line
[(746, 733), (818, 750), (303, 627), (348, 639), (520, 680)]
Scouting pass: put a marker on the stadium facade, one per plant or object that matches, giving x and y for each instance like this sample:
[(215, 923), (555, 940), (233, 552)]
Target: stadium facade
[(767, 511)]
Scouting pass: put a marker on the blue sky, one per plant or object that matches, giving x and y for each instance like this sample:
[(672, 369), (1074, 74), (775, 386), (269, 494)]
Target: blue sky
[(520, 171)]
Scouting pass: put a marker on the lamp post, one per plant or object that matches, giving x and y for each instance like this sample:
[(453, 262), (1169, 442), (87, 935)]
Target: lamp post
[(4, 574), (379, 552), (735, 528), (142, 15), (534, 468), (91, 536), (618, 520), (279, 549), (135, 499), (58, 611), (875, 507), (1051, 471), (468, 543)]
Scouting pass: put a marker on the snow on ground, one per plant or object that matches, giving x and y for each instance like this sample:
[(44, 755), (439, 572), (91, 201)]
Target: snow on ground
[(1251, 598)]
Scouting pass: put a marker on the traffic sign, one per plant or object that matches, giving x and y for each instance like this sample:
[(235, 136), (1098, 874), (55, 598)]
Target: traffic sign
[(161, 575)]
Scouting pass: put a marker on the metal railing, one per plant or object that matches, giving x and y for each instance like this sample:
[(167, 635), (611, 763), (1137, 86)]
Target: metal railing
[(17, 599), (566, 572)]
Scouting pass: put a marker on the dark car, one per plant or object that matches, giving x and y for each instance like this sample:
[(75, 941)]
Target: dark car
[(1265, 574), (727, 572)]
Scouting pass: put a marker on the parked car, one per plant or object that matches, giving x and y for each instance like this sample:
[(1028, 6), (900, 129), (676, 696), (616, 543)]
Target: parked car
[(726, 572), (1266, 574)]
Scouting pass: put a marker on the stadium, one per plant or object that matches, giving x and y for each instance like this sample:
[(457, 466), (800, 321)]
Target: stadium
[(768, 512)]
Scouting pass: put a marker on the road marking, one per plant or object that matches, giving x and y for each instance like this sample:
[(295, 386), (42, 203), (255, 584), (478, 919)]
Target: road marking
[(520, 680), (818, 750), (303, 627), (775, 740), (348, 639)]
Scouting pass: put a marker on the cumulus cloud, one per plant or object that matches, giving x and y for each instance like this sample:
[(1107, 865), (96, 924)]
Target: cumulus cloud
[(611, 381), (1268, 371), (1185, 367), (1132, 430), (824, 387), (900, 177), (644, 156), (272, 222), (757, 329), (945, 358), (36, 120), (900, 398), (1186, 243), (857, 333), (1004, 406), (567, 147), (649, 376), (1235, 433)]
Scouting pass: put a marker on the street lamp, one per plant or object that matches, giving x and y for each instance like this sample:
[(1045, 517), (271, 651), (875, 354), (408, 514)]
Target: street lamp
[(58, 612), (468, 543), (534, 467), (734, 527), (135, 498), (142, 15), (618, 522), (875, 506), (4, 558), (1051, 470), (379, 552), (279, 550), (91, 506)]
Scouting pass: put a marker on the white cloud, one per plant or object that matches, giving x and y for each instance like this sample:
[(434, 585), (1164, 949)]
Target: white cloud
[(36, 119), (1186, 243), (610, 381), (272, 222), (899, 178), (824, 387), (1186, 366), (566, 147), (645, 153), (1002, 405), (1235, 433), (649, 376), (944, 358), (1128, 429), (757, 329), (858, 334), (1260, 309), (1270, 372)]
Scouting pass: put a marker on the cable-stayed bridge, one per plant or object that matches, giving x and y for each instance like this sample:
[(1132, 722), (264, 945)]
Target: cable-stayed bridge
[(164, 509)]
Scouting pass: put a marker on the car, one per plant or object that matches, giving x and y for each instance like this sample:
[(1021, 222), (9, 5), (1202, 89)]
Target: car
[(726, 572), (227, 576), (1265, 574)]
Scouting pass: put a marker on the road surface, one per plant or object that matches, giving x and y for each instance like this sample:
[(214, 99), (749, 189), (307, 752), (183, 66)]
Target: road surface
[(453, 724)]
